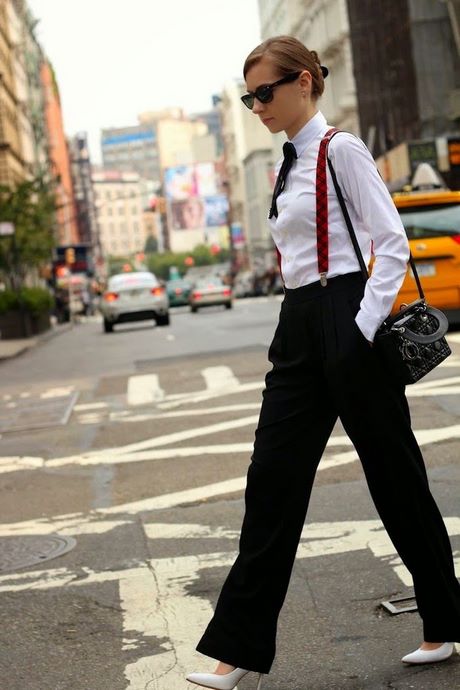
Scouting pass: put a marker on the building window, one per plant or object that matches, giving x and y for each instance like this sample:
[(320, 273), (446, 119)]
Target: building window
[(121, 210)]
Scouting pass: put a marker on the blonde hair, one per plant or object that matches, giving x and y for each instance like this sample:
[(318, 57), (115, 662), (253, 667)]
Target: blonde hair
[(288, 55)]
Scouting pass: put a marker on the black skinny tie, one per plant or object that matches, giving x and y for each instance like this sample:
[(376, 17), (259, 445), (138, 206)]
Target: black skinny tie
[(290, 155)]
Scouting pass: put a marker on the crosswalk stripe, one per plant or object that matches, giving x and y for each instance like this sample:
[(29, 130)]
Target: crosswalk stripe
[(218, 378), (144, 389)]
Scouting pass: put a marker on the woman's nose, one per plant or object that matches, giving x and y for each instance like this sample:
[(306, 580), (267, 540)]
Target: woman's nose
[(257, 107)]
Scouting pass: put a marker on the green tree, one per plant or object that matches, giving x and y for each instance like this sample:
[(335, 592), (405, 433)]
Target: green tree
[(151, 245), (31, 207)]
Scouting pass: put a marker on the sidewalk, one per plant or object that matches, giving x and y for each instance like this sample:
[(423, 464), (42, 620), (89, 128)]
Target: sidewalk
[(14, 348)]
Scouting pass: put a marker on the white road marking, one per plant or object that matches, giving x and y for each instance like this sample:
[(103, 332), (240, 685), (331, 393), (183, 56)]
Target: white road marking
[(127, 417), (144, 389), (93, 418), (219, 379), (57, 392), (86, 407), (192, 398), (148, 450), (156, 600)]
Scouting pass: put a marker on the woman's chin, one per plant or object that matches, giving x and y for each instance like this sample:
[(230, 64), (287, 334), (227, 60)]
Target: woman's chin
[(273, 126)]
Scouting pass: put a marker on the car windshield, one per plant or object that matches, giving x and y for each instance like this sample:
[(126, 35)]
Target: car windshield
[(210, 282), (423, 222), (132, 280)]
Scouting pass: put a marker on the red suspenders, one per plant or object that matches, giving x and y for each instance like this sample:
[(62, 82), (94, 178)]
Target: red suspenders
[(322, 227)]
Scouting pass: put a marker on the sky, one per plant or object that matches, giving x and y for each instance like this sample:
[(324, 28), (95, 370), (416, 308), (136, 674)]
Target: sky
[(115, 59)]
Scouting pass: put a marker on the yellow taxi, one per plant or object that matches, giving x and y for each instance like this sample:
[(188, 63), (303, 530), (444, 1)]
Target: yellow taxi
[(432, 222)]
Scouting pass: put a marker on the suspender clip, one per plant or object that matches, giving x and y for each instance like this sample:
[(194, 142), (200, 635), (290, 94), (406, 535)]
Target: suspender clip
[(323, 279)]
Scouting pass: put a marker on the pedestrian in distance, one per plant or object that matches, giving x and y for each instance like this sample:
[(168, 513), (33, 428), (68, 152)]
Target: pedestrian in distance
[(324, 367)]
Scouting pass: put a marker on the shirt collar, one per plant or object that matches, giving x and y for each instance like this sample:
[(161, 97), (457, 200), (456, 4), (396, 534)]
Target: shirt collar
[(312, 129)]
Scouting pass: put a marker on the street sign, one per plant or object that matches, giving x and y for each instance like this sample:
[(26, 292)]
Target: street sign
[(6, 229)]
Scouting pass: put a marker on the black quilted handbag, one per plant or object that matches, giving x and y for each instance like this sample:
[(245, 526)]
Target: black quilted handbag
[(411, 342)]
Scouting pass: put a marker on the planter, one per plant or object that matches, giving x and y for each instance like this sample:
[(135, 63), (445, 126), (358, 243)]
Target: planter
[(16, 325)]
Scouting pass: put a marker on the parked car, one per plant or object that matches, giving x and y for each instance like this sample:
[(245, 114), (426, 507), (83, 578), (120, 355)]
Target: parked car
[(178, 292), (136, 296), (209, 292)]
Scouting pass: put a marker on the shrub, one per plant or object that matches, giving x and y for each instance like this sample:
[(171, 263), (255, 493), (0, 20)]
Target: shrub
[(35, 300)]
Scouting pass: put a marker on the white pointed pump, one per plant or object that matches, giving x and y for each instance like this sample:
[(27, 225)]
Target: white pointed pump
[(227, 681), (430, 656)]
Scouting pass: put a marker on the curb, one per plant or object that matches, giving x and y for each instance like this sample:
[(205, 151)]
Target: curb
[(36, 341)]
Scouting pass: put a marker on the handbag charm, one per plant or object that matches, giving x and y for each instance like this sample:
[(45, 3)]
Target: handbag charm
[(412, 342)]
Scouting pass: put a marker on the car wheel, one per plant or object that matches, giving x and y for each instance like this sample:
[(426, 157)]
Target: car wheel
[(228, 305), (162, 319), (108, 326)]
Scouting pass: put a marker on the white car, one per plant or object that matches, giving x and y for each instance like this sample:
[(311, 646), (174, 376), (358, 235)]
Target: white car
[(136, 296)]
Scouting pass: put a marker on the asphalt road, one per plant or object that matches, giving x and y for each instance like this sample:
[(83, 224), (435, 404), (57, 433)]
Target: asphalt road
[(130, 450)]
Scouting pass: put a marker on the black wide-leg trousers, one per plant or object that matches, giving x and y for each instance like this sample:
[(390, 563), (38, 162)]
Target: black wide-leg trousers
[(324, 368)]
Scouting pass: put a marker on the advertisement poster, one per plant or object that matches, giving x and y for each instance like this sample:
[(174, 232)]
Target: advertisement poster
[(205, 175), (216, 210), (188, 214), (180, 182)]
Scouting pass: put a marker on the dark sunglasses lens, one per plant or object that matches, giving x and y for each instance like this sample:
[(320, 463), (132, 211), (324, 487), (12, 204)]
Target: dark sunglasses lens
[(264, 94), (248, 100)]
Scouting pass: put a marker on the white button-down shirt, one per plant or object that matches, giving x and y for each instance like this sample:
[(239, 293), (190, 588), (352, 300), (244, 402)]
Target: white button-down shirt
[(372, 212)]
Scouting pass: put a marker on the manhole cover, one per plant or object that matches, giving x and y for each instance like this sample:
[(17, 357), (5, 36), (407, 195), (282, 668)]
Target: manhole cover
[(22, 414), (20, 552)]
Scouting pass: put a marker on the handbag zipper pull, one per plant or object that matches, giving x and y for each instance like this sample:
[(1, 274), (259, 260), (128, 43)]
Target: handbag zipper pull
[(323, 279)]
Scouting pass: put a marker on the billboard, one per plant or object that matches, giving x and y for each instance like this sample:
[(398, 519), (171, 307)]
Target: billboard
[(195, 212), (194, 199), (180, 182)]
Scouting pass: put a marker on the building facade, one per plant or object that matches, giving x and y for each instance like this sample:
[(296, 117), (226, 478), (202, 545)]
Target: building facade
[(133, 149), (122, 227), (321, 25), (85, 211), (244, 137), (417, 94), (12, 164), (67, 227)]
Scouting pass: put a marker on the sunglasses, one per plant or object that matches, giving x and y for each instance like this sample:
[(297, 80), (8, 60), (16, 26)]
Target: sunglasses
[(264, 92)]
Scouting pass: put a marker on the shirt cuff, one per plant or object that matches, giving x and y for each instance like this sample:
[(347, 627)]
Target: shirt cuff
[(367, 325)]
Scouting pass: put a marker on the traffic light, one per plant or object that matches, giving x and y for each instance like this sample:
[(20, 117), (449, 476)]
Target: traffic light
[(70, 256)]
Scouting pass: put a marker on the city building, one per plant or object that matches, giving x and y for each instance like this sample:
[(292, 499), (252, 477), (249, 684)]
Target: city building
[(120, 215), (12, 164), (409, 111), (133, 149), (67, 227), (17, 29), (249, 162), (321, 25), (85, 211), (33, 55)]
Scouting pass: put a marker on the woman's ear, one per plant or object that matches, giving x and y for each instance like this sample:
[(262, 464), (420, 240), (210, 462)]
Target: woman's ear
[(305, 80)]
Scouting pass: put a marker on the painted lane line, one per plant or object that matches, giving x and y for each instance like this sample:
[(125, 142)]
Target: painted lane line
[(435, 383), (202, 397), (167, 439), (57, 392), (87, 407), (424, 437), (127, 417), (144, 389), (17, 463)]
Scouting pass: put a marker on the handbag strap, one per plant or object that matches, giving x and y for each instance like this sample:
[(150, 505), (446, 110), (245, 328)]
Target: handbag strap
[(351, 229)]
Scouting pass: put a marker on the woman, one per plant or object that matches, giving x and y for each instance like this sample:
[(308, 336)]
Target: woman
[(323, 362)]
